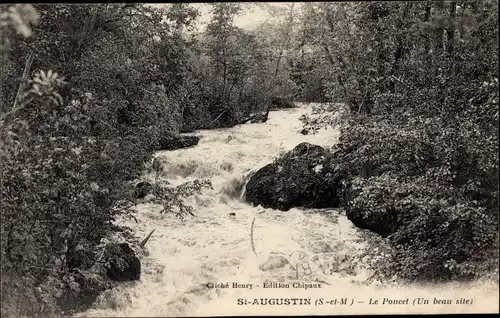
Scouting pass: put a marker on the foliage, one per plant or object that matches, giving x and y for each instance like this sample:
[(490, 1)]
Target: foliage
[(63, 177), (421, 142), (14, 21), (171, 198), (132, 73), (326, 115), (233, 72)]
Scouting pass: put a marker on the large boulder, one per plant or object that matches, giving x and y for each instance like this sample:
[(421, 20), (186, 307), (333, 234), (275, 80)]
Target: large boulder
[(172, 141), (122, 263), (91, 275), (382, 222), (380, 209), (142, 189), (91, 283), (302, 177)]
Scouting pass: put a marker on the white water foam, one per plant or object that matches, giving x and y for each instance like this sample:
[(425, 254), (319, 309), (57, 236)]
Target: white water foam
[(182, 256)]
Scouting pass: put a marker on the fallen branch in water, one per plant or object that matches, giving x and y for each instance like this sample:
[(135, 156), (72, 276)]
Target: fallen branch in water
[(146, 239), (247, 119), (251, 237), (219, 116)]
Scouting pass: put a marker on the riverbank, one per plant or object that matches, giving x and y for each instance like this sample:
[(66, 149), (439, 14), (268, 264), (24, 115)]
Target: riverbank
[(183, 256)]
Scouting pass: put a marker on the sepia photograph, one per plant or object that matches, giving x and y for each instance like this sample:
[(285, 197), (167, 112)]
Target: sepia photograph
[(249, 158)]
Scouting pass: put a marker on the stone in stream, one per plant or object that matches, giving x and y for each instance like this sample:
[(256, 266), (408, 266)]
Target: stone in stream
[(123, 264), (257, 117), (304, 131), (93, 271), (91, 283), (142, 189), (302, 177), (172, 141), (279, 102), (383, 222)]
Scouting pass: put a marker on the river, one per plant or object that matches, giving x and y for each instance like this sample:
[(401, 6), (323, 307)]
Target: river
[(324, 251)]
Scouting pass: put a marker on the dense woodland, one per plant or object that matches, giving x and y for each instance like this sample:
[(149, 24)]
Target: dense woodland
[(87, 92)]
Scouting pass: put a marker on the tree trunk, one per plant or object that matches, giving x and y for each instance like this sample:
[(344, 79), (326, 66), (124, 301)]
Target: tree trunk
[(450, 30), (350, 101), (287, 37), (22, 86), (224, 75), (400, 51), (438, 31)]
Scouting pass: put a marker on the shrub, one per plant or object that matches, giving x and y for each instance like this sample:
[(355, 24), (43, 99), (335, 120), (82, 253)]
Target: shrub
[(63, 174)]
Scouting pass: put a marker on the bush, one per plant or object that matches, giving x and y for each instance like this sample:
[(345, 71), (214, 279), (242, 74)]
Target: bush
[(429, 225), (421, 144), (423, 183)]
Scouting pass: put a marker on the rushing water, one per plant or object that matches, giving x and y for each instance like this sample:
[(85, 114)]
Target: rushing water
[(183, 256)]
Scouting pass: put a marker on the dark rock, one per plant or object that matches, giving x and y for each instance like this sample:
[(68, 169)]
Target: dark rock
[(142, 189), (172, 141), (91, 285), (232, 214), (384, 221), (123, 264), (302, 177), (307, 148), (156, 166), (247, 119), (187, 129), (255, 118), (381, 221), (279, 102), (304, 131), (259, 118)]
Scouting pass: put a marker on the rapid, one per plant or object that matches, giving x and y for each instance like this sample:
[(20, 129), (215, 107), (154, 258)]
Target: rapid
[(189, 266)]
